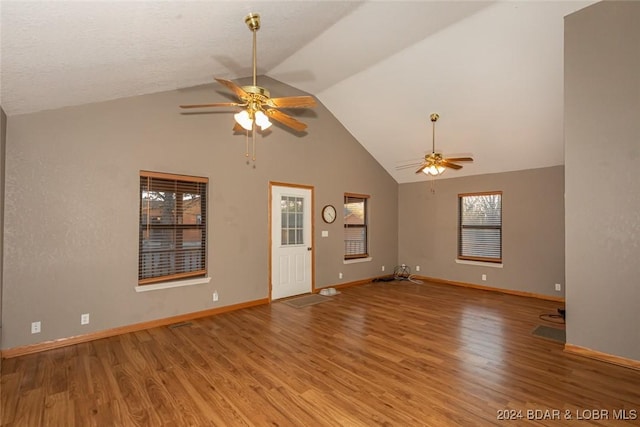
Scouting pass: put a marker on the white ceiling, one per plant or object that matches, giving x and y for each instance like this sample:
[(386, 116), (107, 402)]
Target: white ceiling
[(492, 70)]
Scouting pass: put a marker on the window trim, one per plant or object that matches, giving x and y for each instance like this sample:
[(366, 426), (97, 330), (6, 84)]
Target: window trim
[(492, 227), (196, 274), (366, 198), (173, 284)]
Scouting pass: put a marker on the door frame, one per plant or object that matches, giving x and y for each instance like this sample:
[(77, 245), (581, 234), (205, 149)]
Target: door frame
[(269, 221)]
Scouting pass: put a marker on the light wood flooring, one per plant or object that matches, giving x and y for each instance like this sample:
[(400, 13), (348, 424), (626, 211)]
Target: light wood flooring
[(392, 354)]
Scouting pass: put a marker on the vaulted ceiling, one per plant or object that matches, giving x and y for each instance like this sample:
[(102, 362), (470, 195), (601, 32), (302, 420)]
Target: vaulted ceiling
[(492, 70)]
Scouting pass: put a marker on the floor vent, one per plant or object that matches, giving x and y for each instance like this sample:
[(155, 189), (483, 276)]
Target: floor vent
[(179, 325)]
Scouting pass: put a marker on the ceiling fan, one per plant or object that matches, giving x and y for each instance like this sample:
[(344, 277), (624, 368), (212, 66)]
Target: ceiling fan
[(257, 105), (434, 163)]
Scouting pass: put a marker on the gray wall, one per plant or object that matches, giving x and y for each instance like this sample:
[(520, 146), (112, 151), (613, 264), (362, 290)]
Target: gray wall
[(533, 229), (602, 161), (71, 230), (3, 140)]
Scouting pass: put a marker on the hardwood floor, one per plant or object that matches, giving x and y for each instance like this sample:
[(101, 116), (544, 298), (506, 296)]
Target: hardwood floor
[(392, 354)]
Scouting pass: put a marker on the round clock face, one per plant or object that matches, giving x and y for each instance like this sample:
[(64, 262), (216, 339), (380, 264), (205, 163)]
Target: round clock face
[(329, 214)]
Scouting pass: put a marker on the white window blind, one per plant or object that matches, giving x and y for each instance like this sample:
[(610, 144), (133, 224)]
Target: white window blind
[(173, 229), (480, 232)]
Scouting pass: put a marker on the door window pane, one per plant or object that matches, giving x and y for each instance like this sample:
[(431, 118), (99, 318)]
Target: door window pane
[(292, 215)]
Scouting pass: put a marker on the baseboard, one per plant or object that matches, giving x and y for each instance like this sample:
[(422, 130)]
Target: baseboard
[(64, 342), (603, 357), (490, 288)]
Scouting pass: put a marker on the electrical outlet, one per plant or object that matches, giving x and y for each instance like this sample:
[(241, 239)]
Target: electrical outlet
[(215, 296), (417, 268), (558, 287), (35, 327), (383, 268), (339, 275), (484, 277), (84, 319)]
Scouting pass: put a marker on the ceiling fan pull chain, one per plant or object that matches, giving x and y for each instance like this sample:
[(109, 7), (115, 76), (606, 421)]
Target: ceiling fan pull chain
[(246, 140), (253, 136)]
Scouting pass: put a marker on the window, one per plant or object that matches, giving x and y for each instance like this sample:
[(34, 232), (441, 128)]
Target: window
[(292, 229), (480, 232), (173, 229), (355, 226)]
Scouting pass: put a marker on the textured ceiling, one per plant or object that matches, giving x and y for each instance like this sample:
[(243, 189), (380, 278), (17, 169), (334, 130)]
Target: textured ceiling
[(492, 70)]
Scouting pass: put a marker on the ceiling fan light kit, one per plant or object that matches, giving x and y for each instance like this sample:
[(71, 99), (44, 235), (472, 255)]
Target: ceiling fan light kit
[(433, 170), (257, 105), (245, 119)]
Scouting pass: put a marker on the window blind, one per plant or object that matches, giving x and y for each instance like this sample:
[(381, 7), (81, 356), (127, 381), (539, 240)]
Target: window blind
[(355, 226), (173, 231), (480, 233)]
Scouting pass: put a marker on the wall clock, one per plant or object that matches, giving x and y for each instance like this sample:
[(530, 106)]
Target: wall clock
[(328, 214)]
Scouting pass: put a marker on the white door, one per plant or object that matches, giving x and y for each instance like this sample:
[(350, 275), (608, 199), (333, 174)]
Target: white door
[(291, 241)]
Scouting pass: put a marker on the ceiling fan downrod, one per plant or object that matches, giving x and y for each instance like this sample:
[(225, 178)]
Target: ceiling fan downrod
[(253, 22), (434, 118)]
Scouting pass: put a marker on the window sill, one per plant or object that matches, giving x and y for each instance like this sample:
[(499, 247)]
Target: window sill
[(356, 260), (481, 263), (173, 284)]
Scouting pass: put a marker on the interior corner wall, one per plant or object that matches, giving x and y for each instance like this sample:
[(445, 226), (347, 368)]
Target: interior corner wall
[(533, 229), (3, 145), (72, 211), (602, 177)]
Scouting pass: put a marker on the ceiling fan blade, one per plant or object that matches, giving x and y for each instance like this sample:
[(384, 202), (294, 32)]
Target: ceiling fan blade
[(292, 102), (447, 164), (237, 128), (410, 165), (240, 93), (217, 104), (460, 159), (286, 120)]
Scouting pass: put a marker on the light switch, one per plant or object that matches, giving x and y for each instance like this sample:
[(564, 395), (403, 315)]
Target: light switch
[(325, 233)]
